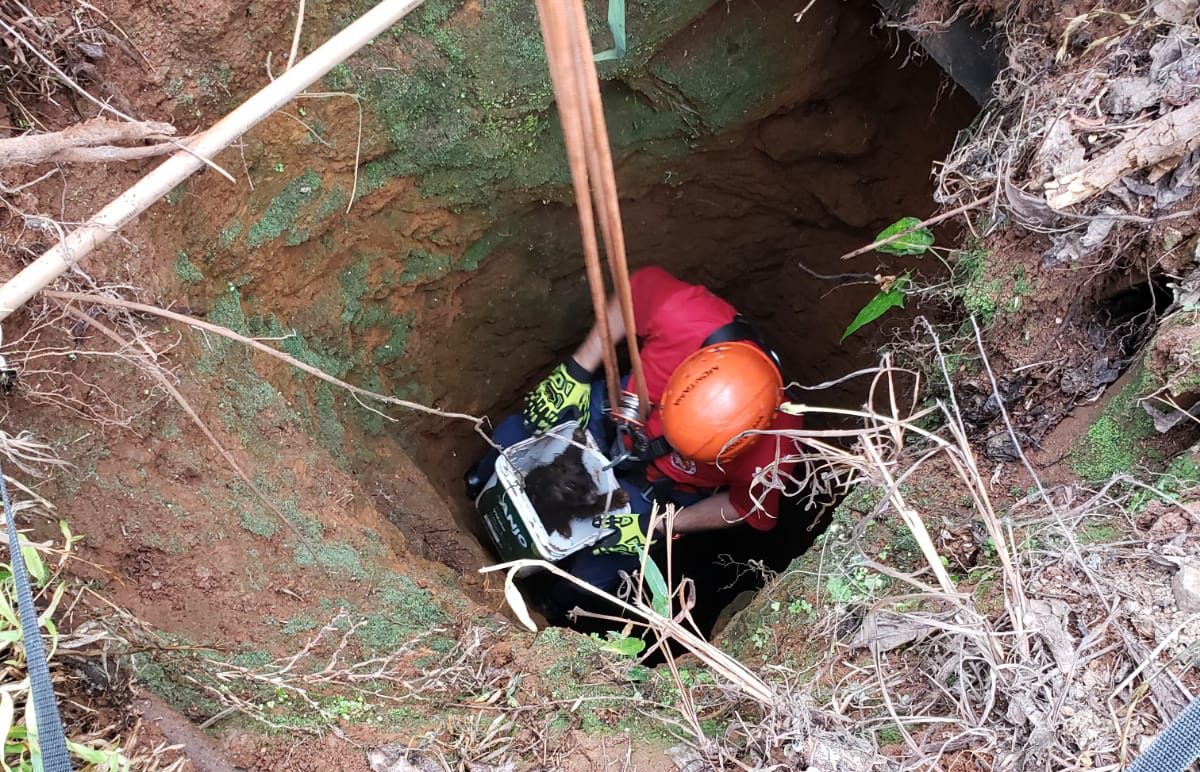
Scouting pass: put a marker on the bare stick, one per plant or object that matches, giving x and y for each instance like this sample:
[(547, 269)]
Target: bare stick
[(1175, 134), (166, 384), (923, 224), (41, 148), (80, 242), (260, 346), (109, 154), (296, 35)]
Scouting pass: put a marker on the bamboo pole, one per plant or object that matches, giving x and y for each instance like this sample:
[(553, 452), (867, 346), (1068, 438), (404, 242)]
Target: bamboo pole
[(137, 199)]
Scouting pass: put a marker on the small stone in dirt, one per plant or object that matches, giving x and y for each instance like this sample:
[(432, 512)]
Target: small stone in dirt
[(1163, 522), (1186, 587), (397, 758), (1176, 11), (1000, 447)]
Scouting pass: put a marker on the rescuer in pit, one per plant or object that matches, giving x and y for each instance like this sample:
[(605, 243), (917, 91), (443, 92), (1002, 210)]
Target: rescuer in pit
[(718, 380)]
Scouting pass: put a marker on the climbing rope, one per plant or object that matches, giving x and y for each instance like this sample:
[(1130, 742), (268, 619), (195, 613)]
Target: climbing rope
[(585, 134)]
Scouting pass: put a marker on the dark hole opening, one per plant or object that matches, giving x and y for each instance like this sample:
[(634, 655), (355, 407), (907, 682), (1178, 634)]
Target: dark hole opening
[(755, 213)]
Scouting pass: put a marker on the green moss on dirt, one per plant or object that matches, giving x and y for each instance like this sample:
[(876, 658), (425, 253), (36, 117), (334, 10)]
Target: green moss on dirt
[(403, 611), (470, 114), (282, 214), (334, 361), (330, 432), (421, 265), (364, 311), (333, 203), (186, 270), (169, 681), (727, 78), (300, 624), (259, 523), (339, 558), (229, 234), (475, 254), (1115, 442)]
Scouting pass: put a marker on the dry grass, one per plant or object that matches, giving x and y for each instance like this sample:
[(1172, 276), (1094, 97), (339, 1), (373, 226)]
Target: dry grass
[(48, 50), (1065, 100), (1034, 660), (1053, 670), (83, 670)]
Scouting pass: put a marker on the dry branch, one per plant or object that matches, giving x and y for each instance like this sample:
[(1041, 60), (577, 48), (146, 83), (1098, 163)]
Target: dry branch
[(923, 224), (155, 372), (101, 226), (89, 141), (217, 329), (1166, 138)]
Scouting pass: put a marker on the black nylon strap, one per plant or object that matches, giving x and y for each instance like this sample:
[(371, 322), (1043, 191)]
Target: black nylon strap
[(737, 330), (51, 738)]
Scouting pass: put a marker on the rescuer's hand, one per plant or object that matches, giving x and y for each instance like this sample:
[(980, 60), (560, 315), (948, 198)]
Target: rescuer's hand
[(629, 538), (563, 396)]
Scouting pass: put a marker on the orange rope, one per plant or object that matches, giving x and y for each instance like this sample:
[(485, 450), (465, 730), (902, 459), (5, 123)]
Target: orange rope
[(566, 92), (569, 51)]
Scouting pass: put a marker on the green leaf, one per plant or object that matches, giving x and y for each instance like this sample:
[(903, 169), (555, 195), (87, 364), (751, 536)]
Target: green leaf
[(660, 598), (909, 244), (8, 614), (99, 757), (626, 647), (52, 606), (879, 305), (638, 674), (34, 564)]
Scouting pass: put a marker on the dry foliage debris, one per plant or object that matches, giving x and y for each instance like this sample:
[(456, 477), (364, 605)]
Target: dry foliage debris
[(44, 46), (1088, 131), (1054, 653)]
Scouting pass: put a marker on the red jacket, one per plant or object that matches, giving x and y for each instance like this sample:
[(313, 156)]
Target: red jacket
[(673, 320)]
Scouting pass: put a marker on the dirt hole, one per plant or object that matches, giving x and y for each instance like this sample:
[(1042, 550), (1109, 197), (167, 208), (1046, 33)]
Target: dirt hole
[(760, 214)]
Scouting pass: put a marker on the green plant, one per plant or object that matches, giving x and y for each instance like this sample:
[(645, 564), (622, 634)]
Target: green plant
[(17, 725), (623, 645), (904, 238), (856, 585), (801, 607)]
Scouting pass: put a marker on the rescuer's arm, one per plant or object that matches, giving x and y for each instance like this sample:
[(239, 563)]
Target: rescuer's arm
[(565, 393), (714, 512), (590, 353)]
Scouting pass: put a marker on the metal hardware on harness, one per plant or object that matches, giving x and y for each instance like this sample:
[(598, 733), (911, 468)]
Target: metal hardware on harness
[(628, 410)]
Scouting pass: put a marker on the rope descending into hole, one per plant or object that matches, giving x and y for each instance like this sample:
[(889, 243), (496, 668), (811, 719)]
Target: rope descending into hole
[(585, 134)]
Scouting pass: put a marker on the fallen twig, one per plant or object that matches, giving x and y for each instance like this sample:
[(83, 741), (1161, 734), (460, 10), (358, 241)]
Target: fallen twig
[(89, 141), (296, 36), (260, 346), (923, 224)]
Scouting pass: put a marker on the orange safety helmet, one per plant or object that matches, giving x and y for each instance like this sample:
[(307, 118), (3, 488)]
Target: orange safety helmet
[(716, 394)]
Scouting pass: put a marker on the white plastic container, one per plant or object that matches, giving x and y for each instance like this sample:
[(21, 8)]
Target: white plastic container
[(508, 515)]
